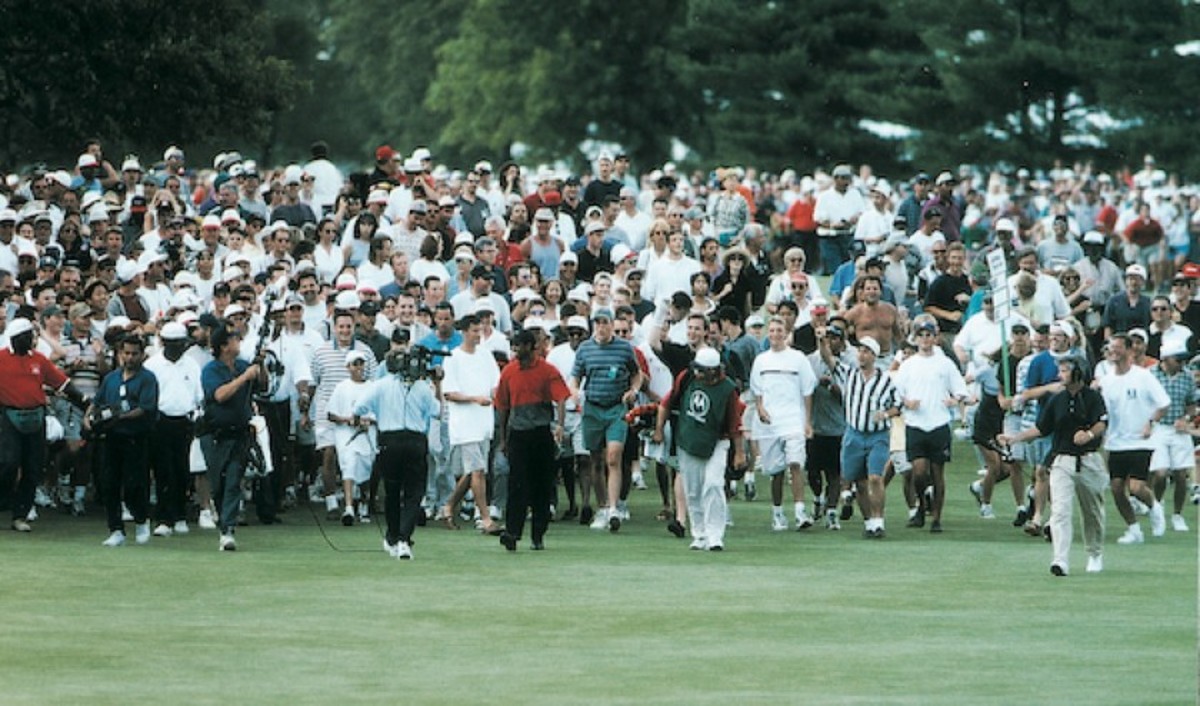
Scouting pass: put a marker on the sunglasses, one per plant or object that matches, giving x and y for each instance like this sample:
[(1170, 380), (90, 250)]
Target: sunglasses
[(1160, 308)]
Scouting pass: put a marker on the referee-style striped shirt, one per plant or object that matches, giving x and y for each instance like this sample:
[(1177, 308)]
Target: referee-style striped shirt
[(862, 398)]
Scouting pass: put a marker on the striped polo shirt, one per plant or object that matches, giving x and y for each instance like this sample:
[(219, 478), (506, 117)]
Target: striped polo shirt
[(605, 370)]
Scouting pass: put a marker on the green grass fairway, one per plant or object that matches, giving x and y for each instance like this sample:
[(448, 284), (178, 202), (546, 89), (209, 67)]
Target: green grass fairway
[(970, 616)]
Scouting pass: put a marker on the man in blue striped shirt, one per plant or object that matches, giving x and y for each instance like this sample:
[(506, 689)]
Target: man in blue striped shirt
[(607, 372)]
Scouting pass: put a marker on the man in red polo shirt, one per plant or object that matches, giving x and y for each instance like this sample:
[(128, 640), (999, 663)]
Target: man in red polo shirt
[(23, 417), (529, 392)]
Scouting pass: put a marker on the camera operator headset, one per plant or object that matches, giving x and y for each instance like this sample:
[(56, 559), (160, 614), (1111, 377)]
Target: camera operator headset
[(402, 403)]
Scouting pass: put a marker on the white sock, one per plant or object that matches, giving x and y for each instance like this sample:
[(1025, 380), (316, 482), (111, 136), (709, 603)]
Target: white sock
[(799, 509), (777, 510)]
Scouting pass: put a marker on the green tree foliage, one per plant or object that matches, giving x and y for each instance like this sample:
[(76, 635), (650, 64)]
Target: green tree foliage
[(381, 63), (550, 80), (786, 84), (1031, 81), (140, 73)]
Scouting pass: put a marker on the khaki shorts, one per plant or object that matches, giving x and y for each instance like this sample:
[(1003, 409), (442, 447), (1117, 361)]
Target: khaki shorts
[(468, 458)]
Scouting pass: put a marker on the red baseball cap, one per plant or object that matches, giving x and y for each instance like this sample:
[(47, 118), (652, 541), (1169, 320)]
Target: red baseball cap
[(384, 153)]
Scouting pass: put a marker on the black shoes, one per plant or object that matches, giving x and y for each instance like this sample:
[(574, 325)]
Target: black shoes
[(1057, 570), (537, 546), (936, 527), (614, 522), (586, 515), (508, 541), (676, 528), (1022, 518), (917, 520)]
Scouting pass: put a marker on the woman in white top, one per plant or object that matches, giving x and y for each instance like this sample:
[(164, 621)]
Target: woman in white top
[(327, 255), (427, 265), (357, 249), (553, 295), (780, 287)]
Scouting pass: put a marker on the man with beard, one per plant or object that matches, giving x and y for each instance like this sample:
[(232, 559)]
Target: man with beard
[(22, 417)]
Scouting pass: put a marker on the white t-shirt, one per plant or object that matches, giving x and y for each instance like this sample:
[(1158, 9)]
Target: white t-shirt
[(346, 397), (477, 375), (782, 379), (930, 379), (1131, 399)]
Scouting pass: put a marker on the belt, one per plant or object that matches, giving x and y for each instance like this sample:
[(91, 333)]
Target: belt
[(608, 405), (173, 418), (401, 431)]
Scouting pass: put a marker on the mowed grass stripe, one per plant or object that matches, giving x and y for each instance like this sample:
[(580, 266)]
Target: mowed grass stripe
[(970, 616)]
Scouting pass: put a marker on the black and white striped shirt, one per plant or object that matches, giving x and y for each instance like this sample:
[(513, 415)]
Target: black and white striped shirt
[(863, 397)]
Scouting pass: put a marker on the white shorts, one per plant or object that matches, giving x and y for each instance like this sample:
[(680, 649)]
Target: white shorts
[(323, 431), (779, 452), (470, 457), (1012, 426), (1173, 450), (900, 461), (355, 465)]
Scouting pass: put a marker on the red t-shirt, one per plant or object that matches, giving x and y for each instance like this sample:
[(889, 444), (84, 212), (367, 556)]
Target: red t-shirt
[(530, 393), (800, 215), (24, 377)]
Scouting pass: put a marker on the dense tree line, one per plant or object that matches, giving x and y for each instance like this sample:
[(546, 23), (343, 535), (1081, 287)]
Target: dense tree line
[(771, 82)]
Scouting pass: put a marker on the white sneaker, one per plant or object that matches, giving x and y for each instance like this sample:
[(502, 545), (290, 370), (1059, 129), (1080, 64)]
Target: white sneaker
[(976, 489), (181, 527), (698, 544), (364, 514), (391, 549), (716, 547), (141, 533), (1133, 535), (831, 521), (403, 551), (600, 521), (1178, 523), (126, 515), (639, 481), (803, 521), (348, 517), (1158, 520), (1139, 507), (623, 510), (116, 539), (779, 523), (227, 543), (32, 515), (162, 530), (1095, 564), (41, 498), (207, 521), (494, 513), (1196, 493), (986, 512)]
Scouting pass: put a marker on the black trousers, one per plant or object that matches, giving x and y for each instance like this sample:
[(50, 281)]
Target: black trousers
[(126, 477), (170, 446), (279, 425), (402, 459), (22, 457), (531, 458)]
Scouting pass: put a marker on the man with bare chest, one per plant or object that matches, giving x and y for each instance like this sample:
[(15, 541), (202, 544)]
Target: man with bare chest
[(875, 318)]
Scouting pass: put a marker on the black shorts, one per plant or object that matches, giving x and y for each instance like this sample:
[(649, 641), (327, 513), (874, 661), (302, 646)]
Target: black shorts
[(1129, 464), (932, 445), (825, 454)]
